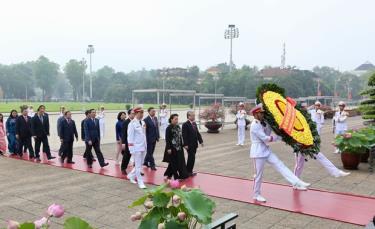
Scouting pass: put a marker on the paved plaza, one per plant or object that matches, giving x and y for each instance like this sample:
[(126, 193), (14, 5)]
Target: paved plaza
[(28, 189)]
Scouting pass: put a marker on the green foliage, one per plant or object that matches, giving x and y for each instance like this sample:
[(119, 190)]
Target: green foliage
[(45, 73), (194, 203), (76, 223), (297, 148), (27, 226), (356, 141), (75, 72), (367, 107)]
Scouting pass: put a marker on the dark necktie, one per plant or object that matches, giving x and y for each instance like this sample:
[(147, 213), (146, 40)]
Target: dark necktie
[(25, 117), (194, 126), (41, 119)]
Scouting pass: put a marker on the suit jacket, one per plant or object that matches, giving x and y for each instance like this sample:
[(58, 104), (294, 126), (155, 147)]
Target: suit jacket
[(152, 130), (39, 128), (68, 130), (59, 120), (191, 135), (83, 129), (23, 128), (124, 136), (92, 130)]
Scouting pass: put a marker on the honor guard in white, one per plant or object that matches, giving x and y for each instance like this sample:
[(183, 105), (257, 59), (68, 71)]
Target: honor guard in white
[(323, 160), (339, 120), (137, 146), (241, 125), (260, 152), (317, 115), (101, 118), (163, 117)]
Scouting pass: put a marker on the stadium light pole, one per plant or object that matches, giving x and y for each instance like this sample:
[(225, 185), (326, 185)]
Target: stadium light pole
[(83, 63), (230, 33), (90, 51), (215, 80)]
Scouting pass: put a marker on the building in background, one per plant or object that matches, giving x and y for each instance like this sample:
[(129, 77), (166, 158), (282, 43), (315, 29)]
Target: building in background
[(363, 68)]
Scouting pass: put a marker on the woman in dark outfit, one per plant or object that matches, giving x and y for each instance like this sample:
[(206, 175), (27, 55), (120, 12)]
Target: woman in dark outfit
[(174, 152)]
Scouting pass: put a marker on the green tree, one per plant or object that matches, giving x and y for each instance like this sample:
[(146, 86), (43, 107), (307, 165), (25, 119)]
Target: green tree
[(45, 73), (75, 73), (368, 106)]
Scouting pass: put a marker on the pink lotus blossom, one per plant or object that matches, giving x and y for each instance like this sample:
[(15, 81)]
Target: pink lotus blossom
[(55, 210), (161, 226), (39, 223), (149, 204), (174, 184), (133, 218), (13, 224), (181, 216), (347, 135)]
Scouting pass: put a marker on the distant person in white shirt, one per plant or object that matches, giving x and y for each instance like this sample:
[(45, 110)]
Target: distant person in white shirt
[(317, 115), (340, 126), (241, 125), (163, 117), (101, 118), (30, 111)]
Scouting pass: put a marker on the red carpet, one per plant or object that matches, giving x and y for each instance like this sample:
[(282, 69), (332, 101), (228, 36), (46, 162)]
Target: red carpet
[(342, 207)]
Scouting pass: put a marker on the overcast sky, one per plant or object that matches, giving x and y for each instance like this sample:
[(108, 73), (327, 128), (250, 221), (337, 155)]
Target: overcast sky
[(129, 35)]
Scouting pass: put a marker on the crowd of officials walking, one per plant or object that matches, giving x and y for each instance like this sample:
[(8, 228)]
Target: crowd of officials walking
[(136, 139)]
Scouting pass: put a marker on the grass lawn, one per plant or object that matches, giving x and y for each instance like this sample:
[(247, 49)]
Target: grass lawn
[(72, 106)]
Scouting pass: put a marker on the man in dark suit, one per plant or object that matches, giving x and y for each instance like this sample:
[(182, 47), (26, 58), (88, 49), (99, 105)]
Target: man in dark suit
[(92, 139), (152, 136), (67, 133), (40, 132), (124, 140), (23, 133), (191, 137), (87, 114)]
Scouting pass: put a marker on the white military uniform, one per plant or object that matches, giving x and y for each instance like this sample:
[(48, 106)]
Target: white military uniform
[(322, 159), (340, 122), (317, 116), (138, 148), (241, 124), (261, 153), (163, 117), (101, 118)]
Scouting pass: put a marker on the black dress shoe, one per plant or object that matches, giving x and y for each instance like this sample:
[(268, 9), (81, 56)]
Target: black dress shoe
[(71, 162), (31, 157), (142, 174), (89, 166), (153, 168), (52, 157), (104, 165), (192, 174), (124, 172), (38, 159)]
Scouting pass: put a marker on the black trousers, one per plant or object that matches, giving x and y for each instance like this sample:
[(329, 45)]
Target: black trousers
[(67, 150), (40, 140), (23, 144), (191, 159), (125, 159), (98, 152), (149, 159)]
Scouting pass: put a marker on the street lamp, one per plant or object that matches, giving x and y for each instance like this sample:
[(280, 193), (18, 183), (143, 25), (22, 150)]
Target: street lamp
[(215, 80), (230, 33), (90, 50), (83, 63), (164, 74)]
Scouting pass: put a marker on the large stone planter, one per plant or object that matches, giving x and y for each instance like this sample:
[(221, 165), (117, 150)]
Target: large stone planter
[(213, 127), (350, 160)]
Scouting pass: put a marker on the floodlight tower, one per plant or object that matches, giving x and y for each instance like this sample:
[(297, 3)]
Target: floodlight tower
[(90, 51), (230, 33), (283, 57)]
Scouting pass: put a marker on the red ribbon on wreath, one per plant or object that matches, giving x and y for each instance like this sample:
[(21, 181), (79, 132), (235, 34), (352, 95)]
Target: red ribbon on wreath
[(289, 118)]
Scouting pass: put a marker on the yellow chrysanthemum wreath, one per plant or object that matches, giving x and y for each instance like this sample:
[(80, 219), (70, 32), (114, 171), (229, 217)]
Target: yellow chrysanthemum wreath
[(304, 137), (276, 104)]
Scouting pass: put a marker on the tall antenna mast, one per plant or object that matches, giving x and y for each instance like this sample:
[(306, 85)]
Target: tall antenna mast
[(283, 57)]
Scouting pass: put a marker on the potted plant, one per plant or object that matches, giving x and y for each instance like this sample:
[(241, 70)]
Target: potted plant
[(170, 206), (352, 145), (213, 117)]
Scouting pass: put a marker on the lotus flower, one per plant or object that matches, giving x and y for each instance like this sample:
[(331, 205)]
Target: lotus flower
[(348, 135), (55, 210), (174, 184), (39, 223), (161, 226), (138, 215), (181, 216), (176, 200), (133, 218), (13, 224), (184, 188)]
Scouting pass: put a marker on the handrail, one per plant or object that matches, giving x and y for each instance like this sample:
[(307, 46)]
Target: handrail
[(221, 223)]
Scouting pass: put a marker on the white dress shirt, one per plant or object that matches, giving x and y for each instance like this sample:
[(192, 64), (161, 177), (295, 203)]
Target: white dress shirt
[(136, 136), (260, 138)]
